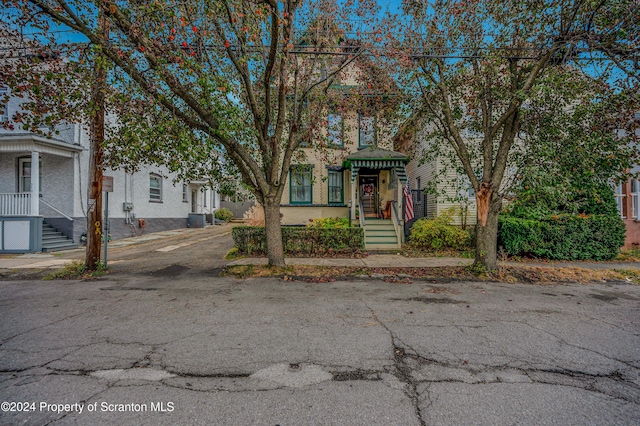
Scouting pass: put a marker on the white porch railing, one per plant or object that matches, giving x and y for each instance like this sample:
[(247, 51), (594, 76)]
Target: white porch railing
[(17, 204)]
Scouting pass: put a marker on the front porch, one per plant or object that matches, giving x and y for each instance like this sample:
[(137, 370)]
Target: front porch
[(377, 177), (28, 195)]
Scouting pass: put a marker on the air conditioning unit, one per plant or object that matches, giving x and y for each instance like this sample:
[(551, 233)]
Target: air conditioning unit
[(127, 207)]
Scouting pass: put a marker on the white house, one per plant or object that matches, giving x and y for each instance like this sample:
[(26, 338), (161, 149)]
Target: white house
[(146, 201)]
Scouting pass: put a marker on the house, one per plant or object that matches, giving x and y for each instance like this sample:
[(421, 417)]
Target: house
[(50, 212), (357, 175), (628, 197), (448, 188)]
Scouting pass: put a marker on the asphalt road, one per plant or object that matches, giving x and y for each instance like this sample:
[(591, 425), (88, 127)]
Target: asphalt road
[(168, 341)]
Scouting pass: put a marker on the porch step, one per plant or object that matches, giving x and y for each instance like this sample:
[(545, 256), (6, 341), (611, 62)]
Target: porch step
[(53, 240), (379, 234)]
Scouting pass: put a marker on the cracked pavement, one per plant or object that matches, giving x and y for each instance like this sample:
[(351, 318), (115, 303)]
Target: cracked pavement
[(221, 350)]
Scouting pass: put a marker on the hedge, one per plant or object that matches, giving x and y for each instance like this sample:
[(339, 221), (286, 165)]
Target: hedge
[(300, 241), (563, 237)]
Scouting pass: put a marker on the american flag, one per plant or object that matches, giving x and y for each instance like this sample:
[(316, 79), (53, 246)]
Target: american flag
[(408, 200)]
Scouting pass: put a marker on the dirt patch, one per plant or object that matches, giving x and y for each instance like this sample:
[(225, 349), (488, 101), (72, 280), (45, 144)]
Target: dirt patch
[(440, 275), (170, 271)]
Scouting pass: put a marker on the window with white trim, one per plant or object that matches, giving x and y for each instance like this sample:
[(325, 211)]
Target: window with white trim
[(24, 173), (635, 199), (620, 199), (4, 111), (155, 187), (185, 194)]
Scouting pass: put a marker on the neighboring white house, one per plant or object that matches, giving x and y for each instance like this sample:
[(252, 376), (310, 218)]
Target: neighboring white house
[(146, 201)]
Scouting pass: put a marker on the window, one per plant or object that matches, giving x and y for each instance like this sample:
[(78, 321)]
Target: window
[(4, 113), (465, 188), (419, 189), (155, 187), (635, 199), (24, 183), (366, 131), (336, 191), (300, 185), (185, 194), (620, 200), (335, 130)]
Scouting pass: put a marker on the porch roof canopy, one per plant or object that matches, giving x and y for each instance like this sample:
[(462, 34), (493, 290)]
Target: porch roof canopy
[(377, 158), (31, 142)]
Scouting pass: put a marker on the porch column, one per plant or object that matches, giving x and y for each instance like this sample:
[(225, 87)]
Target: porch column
[(35, 183), (400, 202), (353, 199)]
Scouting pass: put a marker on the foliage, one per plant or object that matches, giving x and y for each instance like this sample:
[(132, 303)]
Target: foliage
[(563, 237), (438, 233), (224, 214), (76, 270), (232, 87), (301, 241), (494, 74), (329, 222)]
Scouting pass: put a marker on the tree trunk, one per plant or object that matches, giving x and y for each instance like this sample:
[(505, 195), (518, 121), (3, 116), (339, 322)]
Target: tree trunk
[(273, 232), (94, 215), (487, 235)]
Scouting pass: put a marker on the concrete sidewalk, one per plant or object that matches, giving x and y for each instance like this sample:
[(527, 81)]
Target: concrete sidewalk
[(61, 258)]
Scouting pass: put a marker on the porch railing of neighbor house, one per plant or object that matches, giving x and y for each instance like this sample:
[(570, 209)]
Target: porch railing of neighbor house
[(15, 204)]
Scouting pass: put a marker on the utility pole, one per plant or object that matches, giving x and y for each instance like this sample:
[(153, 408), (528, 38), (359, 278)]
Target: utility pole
[(94, 216)]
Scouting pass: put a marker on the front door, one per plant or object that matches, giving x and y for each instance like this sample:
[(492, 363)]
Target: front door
[(369, 195)]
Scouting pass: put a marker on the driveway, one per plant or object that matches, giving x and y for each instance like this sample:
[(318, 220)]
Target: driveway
[(181, 345)]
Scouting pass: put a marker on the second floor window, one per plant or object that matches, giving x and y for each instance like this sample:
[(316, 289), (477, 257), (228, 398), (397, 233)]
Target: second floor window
[(4, 106), (366, 131), (335, 130)]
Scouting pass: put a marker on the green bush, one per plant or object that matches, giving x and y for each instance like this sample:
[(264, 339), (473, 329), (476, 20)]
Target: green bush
[(329, 222), (438, 233), (224, 214), (563, 237), (301, 241)]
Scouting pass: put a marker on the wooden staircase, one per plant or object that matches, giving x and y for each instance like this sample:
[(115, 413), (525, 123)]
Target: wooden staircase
[(53, 240), (380, 234)]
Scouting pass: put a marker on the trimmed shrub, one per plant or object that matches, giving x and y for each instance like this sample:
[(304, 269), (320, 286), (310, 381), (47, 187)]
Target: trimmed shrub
[(563, 237), (329, 222), (438, 233), (224, 214), (301, 241)]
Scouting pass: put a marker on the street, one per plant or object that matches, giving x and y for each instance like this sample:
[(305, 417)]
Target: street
[(178, 344)]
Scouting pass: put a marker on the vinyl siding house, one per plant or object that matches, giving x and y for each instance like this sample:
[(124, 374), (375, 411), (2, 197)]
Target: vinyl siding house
[(448, 188), (50, 213)]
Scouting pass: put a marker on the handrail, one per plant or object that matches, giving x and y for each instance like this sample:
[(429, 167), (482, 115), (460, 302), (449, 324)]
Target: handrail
[(56, 210), (395, 220), (360, 209)]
